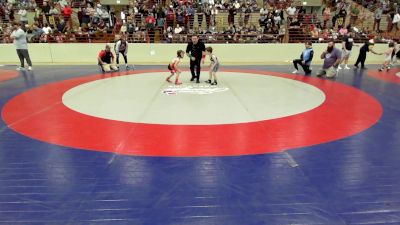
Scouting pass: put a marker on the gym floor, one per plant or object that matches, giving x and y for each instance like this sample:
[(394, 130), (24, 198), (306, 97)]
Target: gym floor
[(264, 146)]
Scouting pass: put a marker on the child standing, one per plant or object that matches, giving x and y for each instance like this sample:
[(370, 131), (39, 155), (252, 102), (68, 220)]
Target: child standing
[(213, 67), (388, 56), (173, 67), (121, 47)]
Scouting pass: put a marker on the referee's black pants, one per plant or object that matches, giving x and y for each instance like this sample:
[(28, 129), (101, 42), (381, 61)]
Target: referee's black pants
[(361, 58), (195, 65)]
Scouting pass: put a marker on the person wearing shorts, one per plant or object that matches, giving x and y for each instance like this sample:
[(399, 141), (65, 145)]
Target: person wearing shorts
[(214, 66), (347, 46), (389, 54), (173, 67)]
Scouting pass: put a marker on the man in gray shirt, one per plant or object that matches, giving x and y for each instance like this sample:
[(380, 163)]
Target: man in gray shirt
[(19, 37), (331, 57)]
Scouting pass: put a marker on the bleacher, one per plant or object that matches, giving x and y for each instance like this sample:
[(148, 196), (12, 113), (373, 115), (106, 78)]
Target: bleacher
[(295, 34)]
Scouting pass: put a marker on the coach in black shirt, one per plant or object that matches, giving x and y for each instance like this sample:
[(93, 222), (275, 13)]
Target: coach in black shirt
[(196, 52)]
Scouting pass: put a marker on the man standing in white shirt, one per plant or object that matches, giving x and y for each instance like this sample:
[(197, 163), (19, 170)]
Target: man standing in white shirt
[(23, 17), (291, 12), (19, 37)]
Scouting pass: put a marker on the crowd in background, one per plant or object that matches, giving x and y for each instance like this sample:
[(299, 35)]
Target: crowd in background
[(158, 21)]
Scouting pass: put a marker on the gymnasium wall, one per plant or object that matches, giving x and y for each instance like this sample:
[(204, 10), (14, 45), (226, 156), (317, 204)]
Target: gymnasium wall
[(228, 54)]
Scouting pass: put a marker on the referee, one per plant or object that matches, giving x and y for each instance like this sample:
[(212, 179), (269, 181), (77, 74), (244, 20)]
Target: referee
[(196, 52)]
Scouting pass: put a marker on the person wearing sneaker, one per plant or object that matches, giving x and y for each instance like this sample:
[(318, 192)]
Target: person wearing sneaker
[(19, 37), (362, 56), (106, 60), (347, 45), (173, 67), (214, 66), (305, 59), (121, 47), (331, 57), (196, 52), (389, 54)]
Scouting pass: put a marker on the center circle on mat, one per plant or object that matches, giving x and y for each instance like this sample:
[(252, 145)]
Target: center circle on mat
[(238, 98)]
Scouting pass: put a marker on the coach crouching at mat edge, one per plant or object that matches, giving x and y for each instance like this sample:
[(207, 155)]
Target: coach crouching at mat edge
[(107, 60), (332, 57)]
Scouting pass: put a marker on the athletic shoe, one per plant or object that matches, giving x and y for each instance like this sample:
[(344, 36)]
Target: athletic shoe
[(168, 80), (346, 67), (214, 83), (197, 81), (208, 81), (20, 68), (192, 79), (30, 68), (295, 71), (339, 68), (177, 82), (355, 67), (380, 70)]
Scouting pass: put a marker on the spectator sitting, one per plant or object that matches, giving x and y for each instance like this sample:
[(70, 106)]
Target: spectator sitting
[(295, 23), (315, 32), (37, 32), (106, 60), (61, 26), (177, 29), (63, 3), (343, 31), (47, 29)]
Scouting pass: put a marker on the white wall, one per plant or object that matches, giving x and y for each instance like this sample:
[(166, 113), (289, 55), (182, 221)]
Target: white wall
[(228, 54)]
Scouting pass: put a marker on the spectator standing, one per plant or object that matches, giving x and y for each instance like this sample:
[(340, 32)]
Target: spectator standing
[(377, 17), (354, 12), (190, 11), (150, 25), (291, 12), (231, 15), (19, 37), (23, 17), (326, 16), (67, 12)]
